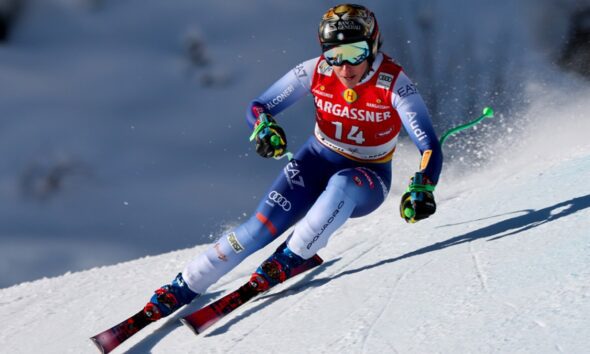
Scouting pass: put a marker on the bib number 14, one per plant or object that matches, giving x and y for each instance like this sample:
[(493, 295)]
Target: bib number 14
[(355, 134)]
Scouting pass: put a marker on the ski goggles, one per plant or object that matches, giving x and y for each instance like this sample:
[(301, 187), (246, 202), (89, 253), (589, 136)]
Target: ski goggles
[(351, 53)]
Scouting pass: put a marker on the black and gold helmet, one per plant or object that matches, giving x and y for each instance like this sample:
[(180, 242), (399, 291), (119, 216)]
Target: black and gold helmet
[(349, 23)]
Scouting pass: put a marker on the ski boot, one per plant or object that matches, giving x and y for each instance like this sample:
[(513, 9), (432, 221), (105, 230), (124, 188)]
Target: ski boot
[(168, 299), (276, 269)]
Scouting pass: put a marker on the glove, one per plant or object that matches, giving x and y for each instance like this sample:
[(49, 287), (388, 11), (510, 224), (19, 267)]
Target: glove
[(418, 201), (270, 137)]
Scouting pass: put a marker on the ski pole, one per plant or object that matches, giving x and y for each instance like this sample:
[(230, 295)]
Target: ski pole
[(488, 112)]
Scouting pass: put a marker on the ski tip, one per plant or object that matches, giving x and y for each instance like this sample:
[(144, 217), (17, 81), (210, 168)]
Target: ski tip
[(191, 327), (98, 345), (318, 259)]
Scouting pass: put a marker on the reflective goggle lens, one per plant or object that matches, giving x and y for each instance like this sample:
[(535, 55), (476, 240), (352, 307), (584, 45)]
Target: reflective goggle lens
[(353, 53)]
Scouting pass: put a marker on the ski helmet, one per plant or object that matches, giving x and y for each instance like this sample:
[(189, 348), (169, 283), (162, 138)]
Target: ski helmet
[(349, 23)]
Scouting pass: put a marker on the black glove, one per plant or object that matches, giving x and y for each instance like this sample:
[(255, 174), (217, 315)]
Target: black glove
[(418, 201), (270, 137)]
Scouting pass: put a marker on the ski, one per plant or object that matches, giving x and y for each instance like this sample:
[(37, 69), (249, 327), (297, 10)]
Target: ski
[(205, 317), (114, 336)]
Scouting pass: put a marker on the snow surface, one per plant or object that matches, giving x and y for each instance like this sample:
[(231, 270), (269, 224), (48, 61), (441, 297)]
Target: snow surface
[(503, 266)]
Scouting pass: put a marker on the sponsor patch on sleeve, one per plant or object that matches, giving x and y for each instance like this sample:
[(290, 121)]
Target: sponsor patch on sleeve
[(325, 69), (235, 244), (384, 81), (300, 71)]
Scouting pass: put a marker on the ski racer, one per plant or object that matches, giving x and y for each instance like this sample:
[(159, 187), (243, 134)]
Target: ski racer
[(362, 99)]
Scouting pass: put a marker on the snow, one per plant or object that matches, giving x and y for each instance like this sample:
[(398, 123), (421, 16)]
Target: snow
[(503, 266)]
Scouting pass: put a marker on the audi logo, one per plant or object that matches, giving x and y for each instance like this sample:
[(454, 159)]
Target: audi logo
[(277, 198)]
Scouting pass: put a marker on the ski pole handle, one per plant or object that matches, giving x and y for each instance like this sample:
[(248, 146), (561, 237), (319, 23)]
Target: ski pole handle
[(488, 112)]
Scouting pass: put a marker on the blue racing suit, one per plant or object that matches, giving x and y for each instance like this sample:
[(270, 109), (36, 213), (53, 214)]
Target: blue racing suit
[(330, 179)]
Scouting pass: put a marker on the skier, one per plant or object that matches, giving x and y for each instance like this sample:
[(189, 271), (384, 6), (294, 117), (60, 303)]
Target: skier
[(362, 98)]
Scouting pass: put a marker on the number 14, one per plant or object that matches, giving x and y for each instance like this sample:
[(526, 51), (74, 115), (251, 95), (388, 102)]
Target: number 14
[(355, 134)]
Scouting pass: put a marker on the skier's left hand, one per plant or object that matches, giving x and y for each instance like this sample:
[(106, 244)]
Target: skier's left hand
[(418, 201)]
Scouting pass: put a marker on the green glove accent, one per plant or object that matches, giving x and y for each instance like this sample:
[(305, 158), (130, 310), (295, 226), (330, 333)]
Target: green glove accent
[(409, 213)]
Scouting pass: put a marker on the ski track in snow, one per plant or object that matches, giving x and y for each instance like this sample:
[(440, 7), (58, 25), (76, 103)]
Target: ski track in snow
[(277, 295), (478, 268), (386, 307), (363, 322)]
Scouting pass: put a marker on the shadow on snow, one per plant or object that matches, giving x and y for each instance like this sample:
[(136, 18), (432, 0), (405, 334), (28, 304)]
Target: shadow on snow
[(501, 229)]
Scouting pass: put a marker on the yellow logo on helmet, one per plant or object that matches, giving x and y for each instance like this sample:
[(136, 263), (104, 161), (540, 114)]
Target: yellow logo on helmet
[(350, 95)]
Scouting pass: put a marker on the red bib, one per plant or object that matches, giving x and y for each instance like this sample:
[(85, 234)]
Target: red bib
[(360, 122)]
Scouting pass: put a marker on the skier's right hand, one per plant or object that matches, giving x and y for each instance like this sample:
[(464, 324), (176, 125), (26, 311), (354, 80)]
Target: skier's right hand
[(270, 137)]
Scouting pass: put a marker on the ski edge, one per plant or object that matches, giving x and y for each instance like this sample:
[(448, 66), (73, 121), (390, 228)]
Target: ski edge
[(315, 261), (98, 345), (107, 341), (191, 327)]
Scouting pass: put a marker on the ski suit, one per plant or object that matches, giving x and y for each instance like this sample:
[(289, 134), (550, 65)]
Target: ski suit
[(343, 171)]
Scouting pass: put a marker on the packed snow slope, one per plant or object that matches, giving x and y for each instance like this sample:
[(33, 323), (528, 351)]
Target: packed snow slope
[(503, 266)]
